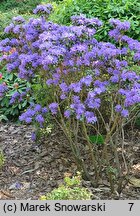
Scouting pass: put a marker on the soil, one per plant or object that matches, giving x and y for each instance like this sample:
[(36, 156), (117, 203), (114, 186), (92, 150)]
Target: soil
[(31, 170)]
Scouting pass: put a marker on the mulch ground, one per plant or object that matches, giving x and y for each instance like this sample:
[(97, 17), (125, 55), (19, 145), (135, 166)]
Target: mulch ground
[(31, 170)]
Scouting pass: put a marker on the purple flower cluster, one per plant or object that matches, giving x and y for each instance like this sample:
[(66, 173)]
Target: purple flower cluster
[(18, 20), (43, 9), (18, 97), (82, 20), (35, 113), (118, 34), (123, 112), (81, 71), (3, 89), (79, 109), (9, 28), (120, 25), (132, 95), (53, 107)]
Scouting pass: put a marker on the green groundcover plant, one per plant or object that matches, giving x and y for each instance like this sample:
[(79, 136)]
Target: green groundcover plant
[(70, 190), (89, 86)]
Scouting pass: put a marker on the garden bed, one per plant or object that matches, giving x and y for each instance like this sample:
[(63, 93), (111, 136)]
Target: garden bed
[(31, 170)]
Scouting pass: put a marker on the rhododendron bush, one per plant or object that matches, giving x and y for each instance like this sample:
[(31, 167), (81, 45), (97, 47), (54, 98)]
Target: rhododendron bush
[(89, 86)]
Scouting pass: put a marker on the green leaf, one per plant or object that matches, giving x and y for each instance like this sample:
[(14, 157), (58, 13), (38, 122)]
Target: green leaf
[(10, 76), (3, 117), (97, 139), (24, 104), (19, 106)]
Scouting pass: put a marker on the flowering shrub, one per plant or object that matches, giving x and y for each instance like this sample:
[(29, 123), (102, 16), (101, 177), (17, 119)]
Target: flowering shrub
[(92, 87), (43, 9)]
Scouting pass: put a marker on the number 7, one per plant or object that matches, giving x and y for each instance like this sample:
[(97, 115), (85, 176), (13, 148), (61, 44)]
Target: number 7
[(131, 205)]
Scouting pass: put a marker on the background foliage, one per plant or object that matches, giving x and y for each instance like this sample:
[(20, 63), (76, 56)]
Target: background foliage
[(104, 10), (64, 9), (11, 8)]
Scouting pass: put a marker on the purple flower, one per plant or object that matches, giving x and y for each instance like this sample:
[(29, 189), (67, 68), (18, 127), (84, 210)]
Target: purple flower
[(3, 88), (64, 87), (97, 72), (28, 120), (129, 75), (33, 137), (44, 110), (30, 112), (49, 82), (44, 9), (67, 113), (114, 79), (14, 97), (38, 108), (5, 42), (91, 95), (79, 109), (125, 113), (132, 95), (90, 117), (99, 90), (118, 108), (53, 108), (93, 103), (82, 20), (19, 19), (27, 116), (86, 80), (63, 96), (137, 56), (76, 99), (39, 118), (22, 117), (122, 91), (78, 48), (120, 25), (18, 185), (17, 29), (9, 28), (76, 87), (49, 59), (7, 48), (115, 33)]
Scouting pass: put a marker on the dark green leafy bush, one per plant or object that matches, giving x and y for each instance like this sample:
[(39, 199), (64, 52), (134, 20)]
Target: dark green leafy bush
[(16, 98), (104, 10)]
